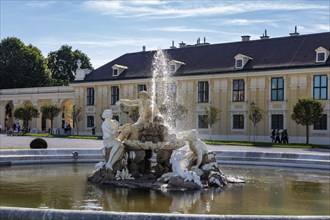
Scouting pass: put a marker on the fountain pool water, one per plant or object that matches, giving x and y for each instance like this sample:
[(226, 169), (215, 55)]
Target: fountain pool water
[(267, 191)]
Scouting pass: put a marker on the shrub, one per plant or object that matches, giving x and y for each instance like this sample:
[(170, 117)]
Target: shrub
[(38, 143)]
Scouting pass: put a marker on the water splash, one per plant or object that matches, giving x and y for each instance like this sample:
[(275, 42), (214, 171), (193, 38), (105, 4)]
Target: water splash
[(164, 88)]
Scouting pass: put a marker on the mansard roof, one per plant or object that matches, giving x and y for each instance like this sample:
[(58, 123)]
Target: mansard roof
[(268, 54)]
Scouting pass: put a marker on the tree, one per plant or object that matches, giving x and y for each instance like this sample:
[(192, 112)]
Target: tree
[(76, 116), (173, 111), (21, 66), (50, 112), (306, 112), (26, 113), (63, 64), (255, 115), (212, 116)]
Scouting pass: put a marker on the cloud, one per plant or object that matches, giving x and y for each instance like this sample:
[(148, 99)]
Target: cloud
[(180, 29), (175, 9)]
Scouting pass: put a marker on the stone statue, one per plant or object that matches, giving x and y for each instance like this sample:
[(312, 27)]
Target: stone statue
[(198, 148), (183, 160), (147, 109), (110, 142)]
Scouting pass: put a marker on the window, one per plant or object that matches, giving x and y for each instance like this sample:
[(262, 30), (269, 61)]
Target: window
[(277, 121), (114, 94), (172, 68), (172, 91), (115, 72), (238, 90), (320, 89), (238, 121), (320, 57), (90, 96), (141, 88), (322, 124), (202, 121), (203, 91), (90, 121), (277, 89), (239, 63)]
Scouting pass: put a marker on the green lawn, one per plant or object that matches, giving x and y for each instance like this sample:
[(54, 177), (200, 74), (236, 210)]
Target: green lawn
[(64, 136), (237, 143), (266, 144)]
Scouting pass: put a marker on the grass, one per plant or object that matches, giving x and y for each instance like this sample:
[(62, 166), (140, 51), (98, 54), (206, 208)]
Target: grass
[(65, 136), (266, 144), (236, 143)]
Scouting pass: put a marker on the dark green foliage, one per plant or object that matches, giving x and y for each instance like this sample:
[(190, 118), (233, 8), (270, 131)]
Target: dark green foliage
[(63, 64), (50, 112), (21, 66), (173, 111), (306, 112), (26, 113), (213, 115), (76, 116), (38, 143)]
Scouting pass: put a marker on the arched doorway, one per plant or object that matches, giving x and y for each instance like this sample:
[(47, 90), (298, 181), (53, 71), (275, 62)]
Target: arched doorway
[(9, 119)]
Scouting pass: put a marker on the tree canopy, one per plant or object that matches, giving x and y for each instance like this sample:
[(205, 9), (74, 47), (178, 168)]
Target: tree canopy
[(21, 66), (306, 112), (50, 112), (63, 64), (26, 113)]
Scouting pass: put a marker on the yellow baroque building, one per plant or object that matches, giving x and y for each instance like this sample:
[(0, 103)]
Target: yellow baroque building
[(272, 73)]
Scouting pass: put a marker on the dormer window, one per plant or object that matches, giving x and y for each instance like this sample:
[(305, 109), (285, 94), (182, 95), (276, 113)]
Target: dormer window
[(118, 69), (115, 72), (239, 63), (322, 55), (241, 60), (174, 65), (172, 68)]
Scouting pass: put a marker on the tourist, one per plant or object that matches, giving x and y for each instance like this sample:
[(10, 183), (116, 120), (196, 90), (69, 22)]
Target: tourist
[(65, 126), (0, 127), (69, 129), (284, 136), (277, 136), (93, 129), (273, 136)]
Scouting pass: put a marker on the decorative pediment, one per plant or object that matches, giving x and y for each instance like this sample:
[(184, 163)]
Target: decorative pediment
[(241, 60), (175, 65), (118, 69), (322, 54)]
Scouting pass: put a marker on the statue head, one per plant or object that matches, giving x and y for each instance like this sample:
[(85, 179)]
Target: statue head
[(107, 113), (143, 95)]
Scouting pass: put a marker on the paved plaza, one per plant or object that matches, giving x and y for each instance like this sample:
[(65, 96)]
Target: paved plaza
[(9, 142)]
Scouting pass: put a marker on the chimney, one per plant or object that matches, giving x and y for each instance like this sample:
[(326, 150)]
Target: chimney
[(295, 32), (264, 36), (144, 48), (172, 47), (245, 38), (198, 41)]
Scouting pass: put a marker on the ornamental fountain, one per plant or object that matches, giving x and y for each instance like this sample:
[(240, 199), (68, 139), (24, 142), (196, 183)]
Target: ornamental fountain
[(182, 159)]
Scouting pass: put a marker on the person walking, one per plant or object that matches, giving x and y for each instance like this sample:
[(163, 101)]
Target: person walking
[(273, 136), (277, 136), (285, 138)]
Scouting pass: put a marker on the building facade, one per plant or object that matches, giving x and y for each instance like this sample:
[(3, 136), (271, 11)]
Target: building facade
[(272, 73)]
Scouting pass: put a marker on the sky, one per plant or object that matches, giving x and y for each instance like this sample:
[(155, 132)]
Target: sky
[(105, 30)]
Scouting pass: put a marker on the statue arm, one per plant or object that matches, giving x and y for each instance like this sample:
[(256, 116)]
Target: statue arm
[(128, 102)]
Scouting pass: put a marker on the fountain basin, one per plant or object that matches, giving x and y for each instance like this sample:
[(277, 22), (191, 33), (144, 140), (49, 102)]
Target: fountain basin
[(267, 191)]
